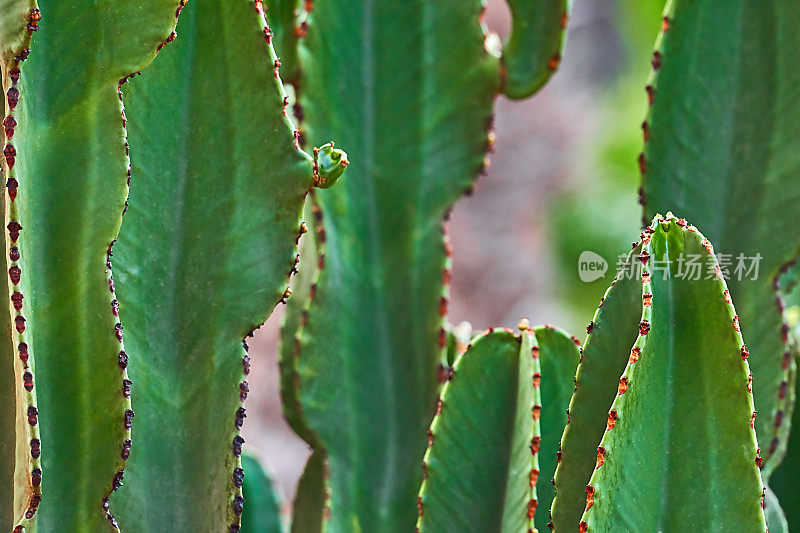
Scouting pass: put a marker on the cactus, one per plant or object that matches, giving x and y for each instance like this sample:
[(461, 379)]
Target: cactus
[(783, 481), (65, 172), (257, 487), (610, 332), (650, 436), (310, 502), (729, 162), (483, 459), (660, 456), (479, 459), (419, 132), (652, 430), (213, 219), (689, 465), (303, 285)]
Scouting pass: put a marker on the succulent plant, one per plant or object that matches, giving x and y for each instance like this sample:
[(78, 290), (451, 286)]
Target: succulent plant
[(408, 88), (66, 172), (205, 253), (257, 487), (505, 402), (649, 426), (737, 185), (230, 203), (662, 456), (638, 453), (728, 163)]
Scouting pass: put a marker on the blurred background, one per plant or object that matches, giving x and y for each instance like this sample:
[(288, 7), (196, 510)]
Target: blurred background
[(563, 180)]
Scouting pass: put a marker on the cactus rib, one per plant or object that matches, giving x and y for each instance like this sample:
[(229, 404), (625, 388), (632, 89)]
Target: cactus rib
[(603, 359), (71, 159), (22, 449), (309, 262), (481, 464), (287, 20), (496, 428), (310, 503), (559, 355), (214, 215), (263, 507), (783, 480), (687, 466), (785, 404), (385, 262), (729, 163)]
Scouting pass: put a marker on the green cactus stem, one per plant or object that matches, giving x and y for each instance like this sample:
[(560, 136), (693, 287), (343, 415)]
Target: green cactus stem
[(287, 20), (532, 52), (559, 355), (308, 513), (776, 520), (496, 433), (205, 253), (783, 480), (312, 257), (482, 447), (66, 172), (410, 88), (720, 150), (604, 357), (262, 512), (679, 449), (20, 466)]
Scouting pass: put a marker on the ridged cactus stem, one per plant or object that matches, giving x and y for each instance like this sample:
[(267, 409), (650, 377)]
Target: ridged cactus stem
[(532, 53), (312, 261), (482, 456), (25, 440), (66, 172), (495, 433), (529, 344), (375, 335), (730, 165), (310, 509), (784, 406), (205, 253), (679, 445)]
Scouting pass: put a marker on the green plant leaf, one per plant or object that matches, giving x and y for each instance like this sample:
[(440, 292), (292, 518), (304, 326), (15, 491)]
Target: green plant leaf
[(262, 511), (720, 151), (374, 337), (66, 180), (309, 503), (679, 450), (204, 255), (480, 467), (532, 52)]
